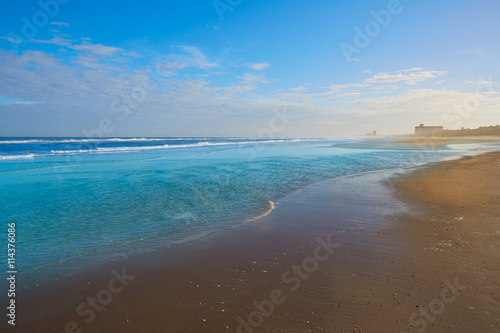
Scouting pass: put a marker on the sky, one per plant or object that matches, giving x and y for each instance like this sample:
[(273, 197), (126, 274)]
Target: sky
[(247, 67)]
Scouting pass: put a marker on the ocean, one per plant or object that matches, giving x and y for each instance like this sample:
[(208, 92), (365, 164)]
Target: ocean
[(78, 203)]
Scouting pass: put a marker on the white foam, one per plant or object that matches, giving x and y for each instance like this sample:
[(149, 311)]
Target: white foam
[(16, 157), (101, 140), (106, 150), (85, 140), (166, 146)]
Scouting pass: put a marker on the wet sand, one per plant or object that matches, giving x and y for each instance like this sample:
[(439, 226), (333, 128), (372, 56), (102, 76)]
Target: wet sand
[(338, 256)]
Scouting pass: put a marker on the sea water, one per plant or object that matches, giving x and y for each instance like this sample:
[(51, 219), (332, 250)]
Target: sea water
[(79, 202)]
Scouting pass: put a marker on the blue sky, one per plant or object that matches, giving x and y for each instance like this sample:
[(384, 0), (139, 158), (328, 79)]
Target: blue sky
[(227, 67)]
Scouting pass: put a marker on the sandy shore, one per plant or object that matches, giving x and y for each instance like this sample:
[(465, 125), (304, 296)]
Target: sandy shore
[(458, 237), (339, 256)]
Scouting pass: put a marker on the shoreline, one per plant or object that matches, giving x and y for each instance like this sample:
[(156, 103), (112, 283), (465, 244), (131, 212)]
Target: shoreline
[(282, 233), (364, 284), (153, 247)]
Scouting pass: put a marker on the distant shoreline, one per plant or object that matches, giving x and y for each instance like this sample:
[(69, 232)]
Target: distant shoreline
[(440, 139)]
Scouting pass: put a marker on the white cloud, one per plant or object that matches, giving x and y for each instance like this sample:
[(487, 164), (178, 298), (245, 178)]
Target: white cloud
[(295, 96), (175, 65), (97, 49), (132, 54), (429, 101), (332, 92), (60, 24), (348, 94), (334, 88), (66, 89), (258, 66), (413, 69), (195, 57), (23, 103), (409, 76), (248, 83), (12, 40), (56, 40), (229, 92), (89, 61), (253, 78), (480, 83), (93, 82)]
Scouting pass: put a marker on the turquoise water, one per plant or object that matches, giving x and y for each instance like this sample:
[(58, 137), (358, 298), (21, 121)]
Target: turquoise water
[(80, 202)]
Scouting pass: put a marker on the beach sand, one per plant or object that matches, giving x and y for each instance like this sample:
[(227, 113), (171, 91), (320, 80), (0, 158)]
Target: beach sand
[(338, 256), (458, 236)]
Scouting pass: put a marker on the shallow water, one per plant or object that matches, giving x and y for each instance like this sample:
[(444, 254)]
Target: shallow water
[(80, 202)]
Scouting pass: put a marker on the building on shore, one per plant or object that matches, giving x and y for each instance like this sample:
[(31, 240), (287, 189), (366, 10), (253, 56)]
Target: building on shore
[(427, 130)]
